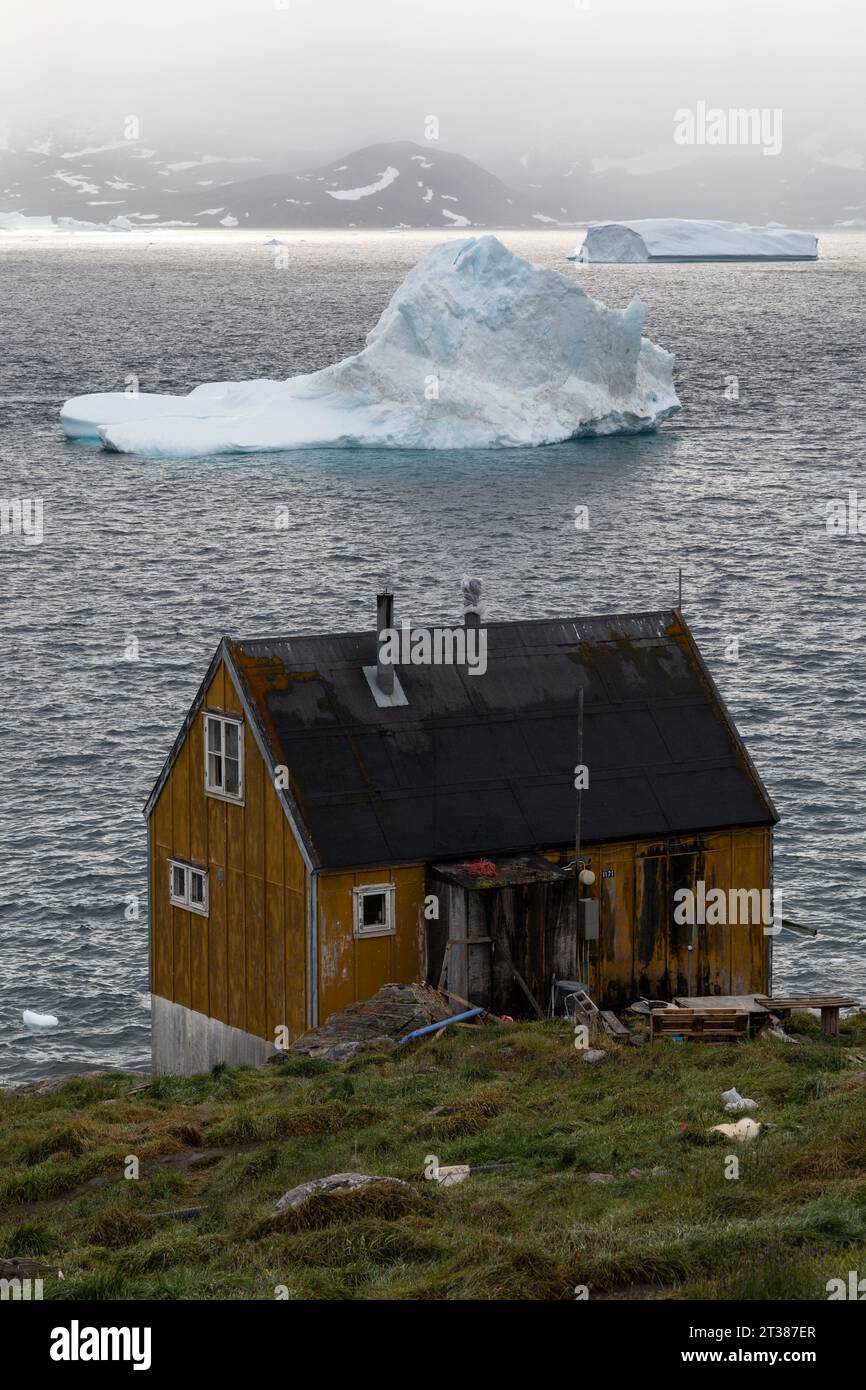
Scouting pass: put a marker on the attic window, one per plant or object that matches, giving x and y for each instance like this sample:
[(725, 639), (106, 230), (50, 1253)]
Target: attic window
[(187, 886), (374, 909), (224, 757)]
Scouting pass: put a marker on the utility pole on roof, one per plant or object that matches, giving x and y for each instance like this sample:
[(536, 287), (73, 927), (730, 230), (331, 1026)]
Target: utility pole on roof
[(579, 787)]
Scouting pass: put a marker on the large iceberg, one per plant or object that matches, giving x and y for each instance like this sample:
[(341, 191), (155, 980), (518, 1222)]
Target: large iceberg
[(680, 239), (477, 349)]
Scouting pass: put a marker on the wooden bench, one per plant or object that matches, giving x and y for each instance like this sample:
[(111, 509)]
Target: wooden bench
[(699, 1025), (829, 1004)]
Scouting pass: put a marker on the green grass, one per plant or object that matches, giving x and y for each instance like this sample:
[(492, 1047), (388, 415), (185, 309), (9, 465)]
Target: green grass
[(233, 1141)]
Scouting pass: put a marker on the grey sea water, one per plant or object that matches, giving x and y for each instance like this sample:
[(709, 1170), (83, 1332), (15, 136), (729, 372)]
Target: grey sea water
[(175, 554)]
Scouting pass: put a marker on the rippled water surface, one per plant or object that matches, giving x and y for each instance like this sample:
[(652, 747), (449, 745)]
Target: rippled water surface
[(175, 554)]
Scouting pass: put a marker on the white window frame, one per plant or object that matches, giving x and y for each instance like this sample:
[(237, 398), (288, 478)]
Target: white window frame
[(184, 900), (364, 891), (212, 788)]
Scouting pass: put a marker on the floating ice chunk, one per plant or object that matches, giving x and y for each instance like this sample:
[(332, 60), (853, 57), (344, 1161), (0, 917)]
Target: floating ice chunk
[(38, 1021), (477, 349), (21, 222), (683, 239)]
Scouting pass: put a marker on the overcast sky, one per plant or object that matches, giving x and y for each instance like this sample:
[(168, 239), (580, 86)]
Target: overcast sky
[(502, 76)]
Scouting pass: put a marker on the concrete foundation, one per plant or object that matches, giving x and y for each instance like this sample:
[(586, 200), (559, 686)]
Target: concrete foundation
[(184, 1041)]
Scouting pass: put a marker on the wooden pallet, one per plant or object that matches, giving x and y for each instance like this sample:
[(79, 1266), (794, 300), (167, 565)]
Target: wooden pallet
[(699, 1025)]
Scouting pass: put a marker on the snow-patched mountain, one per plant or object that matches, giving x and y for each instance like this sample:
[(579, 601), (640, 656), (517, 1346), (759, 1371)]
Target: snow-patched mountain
[(478, 348), (399, 184), (814, 183), (389, 185), (97, 180)]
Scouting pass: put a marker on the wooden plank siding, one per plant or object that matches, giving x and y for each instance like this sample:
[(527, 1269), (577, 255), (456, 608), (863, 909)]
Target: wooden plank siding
[(642, 950), (244, 964), (353, 968)]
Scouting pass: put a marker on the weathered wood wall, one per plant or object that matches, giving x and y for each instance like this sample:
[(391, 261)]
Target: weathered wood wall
[(352, 967), (640, 950), (245, 963), (533, 926)]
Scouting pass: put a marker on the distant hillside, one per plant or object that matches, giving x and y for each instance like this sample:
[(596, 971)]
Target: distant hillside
[(818, 182), (401, 184), (392, 185), (388, 185)]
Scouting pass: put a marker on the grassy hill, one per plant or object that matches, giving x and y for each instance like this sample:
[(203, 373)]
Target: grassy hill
[(233, 1141)]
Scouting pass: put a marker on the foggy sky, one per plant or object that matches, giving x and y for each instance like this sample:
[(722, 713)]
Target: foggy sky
[(321, 77)]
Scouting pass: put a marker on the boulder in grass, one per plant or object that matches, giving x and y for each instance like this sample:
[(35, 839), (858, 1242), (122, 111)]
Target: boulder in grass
[(336, 1185)]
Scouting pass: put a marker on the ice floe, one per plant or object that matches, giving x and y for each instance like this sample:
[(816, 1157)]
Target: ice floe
[(22, 222), (478, 348), (38, 1022), (683, 239)]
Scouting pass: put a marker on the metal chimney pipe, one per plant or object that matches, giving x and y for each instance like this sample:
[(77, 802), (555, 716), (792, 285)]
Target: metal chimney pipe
[(471, 601), (384, 621)]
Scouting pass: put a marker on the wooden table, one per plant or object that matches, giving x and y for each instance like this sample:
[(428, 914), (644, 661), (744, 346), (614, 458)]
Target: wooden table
[(829, 1004)]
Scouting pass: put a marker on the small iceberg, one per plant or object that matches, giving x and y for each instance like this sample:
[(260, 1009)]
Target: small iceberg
[(681, 239), (477, 349), (22, 222), (38, 1022)]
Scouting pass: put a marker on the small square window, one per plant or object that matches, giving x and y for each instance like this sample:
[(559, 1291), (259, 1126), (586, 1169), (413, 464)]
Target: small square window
[(224, 757), (187, 887), (374, 910)]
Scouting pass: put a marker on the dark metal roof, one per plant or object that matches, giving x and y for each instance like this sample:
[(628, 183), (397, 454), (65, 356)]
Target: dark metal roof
[(483, 764)]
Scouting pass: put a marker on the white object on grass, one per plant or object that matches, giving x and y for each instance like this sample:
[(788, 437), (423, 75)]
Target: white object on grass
[(734, 1101), (447, 1175), (478, 348), (741, 1131), (685, 239)]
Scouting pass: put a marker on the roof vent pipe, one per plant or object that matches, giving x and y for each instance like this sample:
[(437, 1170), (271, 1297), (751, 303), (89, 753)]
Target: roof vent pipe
[(384, 624), (471, 601)]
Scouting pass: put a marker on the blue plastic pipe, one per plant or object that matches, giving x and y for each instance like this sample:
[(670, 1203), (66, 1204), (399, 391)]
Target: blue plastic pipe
[(434, 1027)]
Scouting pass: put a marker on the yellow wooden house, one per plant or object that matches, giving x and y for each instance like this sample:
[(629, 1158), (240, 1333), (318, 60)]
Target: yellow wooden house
[(317, 804)]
